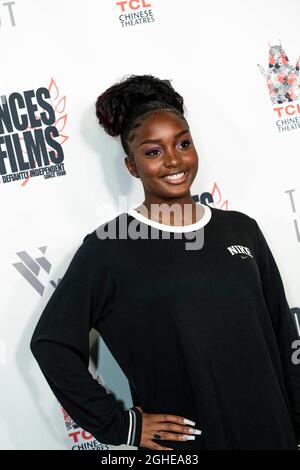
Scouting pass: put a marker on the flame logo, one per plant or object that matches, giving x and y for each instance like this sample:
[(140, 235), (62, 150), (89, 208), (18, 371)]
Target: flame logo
[(217, 198)]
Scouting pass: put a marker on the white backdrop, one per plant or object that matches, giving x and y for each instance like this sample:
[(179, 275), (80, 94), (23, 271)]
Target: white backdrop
[(211, 51)]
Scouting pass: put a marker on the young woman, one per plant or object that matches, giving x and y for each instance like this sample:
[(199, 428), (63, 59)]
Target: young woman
[(189, 301)]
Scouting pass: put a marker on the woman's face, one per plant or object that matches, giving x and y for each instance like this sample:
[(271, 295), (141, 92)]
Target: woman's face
[(163, 145)]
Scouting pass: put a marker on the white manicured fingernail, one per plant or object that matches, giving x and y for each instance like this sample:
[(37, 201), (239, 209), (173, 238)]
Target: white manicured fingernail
[(189, 438), (188, 421), (195, 431)]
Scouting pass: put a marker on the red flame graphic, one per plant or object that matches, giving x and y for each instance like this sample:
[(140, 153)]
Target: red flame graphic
[(217, 198)]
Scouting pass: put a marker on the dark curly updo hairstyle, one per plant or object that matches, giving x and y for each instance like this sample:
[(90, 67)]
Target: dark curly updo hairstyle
[(123, 106)]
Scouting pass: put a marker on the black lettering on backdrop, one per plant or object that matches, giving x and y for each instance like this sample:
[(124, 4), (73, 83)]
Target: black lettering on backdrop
[(28, 116)]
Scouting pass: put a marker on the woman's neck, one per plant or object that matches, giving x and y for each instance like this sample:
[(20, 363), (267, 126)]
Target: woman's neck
[(177, 213)]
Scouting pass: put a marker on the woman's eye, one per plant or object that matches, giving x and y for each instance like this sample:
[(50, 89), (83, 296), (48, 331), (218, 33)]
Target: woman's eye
[(185, 142), (152, 150)]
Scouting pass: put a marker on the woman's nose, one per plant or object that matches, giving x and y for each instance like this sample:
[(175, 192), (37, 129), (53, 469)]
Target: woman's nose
[(172, 158)]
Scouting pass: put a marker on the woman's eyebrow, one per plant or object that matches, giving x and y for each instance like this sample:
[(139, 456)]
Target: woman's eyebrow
[(152, 141)]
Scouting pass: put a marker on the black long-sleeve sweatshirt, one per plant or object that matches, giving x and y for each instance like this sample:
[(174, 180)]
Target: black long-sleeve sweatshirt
[(197, 318)]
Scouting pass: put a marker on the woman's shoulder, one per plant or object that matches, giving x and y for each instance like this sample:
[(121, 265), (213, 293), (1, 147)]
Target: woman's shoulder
[(107, 229), (237, 221), (94, 249), (232, 215)]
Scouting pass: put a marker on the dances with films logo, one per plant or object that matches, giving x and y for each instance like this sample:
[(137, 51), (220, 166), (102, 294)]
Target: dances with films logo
[(134, 12), (283, 83), (31, 125)]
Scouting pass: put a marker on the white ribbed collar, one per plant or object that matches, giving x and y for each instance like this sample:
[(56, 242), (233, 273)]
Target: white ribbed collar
[(174, 228)]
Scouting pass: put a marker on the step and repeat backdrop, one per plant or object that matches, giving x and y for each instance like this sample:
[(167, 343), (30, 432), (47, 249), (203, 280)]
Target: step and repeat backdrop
[(236, 63)]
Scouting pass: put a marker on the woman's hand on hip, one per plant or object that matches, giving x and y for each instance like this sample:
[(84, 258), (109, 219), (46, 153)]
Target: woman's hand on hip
[(168, 427)]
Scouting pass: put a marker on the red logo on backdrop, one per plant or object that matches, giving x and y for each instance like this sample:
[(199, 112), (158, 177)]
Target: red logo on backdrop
[(213, 198), (134, 12), (283, 82), (218, 200), (78, 438)]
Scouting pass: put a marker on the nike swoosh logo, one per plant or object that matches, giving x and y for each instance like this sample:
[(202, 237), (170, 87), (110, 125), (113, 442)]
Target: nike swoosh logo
[(243, 257)]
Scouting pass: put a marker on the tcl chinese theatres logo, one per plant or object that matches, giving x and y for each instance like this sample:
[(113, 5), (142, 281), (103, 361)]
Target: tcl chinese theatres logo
[(282, 77), (134, 12), (283, 82)]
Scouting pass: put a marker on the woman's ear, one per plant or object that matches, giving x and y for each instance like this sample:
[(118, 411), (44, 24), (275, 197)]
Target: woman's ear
[(130, 164)]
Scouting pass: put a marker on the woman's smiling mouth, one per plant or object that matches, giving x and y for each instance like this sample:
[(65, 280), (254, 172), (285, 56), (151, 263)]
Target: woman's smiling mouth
[(177, 178)]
